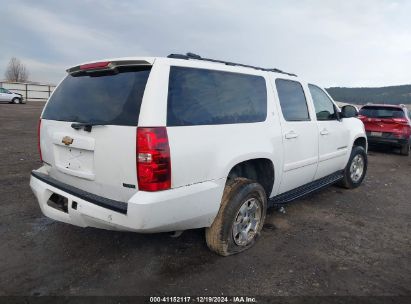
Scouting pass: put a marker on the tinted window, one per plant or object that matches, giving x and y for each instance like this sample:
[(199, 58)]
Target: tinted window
[(109, 99), (292, 100), (382, 112), (324, 107), (208, 97)]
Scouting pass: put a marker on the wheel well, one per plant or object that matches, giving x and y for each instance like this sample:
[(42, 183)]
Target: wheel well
[(362, 142), (260, 170)]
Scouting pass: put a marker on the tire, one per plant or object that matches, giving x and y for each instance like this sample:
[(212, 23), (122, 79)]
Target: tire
[(354, 179), (16, 100), (405, 149), (241, 197)]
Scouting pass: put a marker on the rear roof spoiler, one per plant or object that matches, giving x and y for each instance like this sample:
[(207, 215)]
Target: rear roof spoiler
[(106, 66)]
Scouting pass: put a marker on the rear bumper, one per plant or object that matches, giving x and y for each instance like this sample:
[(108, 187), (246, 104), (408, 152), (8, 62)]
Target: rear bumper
[(387, 141), (183, 208)]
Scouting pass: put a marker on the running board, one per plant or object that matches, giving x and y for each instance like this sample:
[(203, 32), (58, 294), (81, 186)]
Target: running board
[(301, 191)]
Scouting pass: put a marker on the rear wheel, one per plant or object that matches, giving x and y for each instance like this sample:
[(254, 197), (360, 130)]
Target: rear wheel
[(240, 218), (405, 149), (356, 168)]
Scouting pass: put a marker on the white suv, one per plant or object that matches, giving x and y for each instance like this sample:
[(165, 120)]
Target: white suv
[(183, 142)]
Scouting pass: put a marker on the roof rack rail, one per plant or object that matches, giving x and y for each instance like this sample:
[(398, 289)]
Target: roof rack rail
[(188, 56)]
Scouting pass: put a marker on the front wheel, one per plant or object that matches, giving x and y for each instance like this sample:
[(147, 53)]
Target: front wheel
[(356, 168), (240, 219), (16, 100)]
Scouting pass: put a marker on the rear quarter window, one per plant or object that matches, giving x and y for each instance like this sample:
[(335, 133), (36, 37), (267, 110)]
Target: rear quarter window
[(209, 97)]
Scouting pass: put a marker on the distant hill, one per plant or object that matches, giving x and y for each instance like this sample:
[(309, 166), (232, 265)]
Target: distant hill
[(390, 95)]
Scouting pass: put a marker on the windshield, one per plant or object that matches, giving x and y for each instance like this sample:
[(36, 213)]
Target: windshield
[(382, 112), (107, 99)]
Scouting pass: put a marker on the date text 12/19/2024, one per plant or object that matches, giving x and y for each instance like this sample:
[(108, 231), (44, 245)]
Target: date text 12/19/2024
[(208, 299)]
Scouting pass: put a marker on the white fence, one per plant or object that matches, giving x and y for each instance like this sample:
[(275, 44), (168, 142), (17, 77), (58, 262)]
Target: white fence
[(30, 91)]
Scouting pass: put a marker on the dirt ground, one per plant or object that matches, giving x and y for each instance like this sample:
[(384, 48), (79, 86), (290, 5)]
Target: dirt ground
[(334, 242)]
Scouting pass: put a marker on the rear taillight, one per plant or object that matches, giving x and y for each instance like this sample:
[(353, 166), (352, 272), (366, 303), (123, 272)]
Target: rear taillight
[(38, 138), (153, 159), (402, 121), (406, 131)]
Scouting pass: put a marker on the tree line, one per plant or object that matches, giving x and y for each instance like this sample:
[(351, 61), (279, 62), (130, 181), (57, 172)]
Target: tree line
[(390, 95)]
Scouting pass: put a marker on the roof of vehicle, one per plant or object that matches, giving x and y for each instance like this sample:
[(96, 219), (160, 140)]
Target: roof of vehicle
[(187, 57), (191, 56)]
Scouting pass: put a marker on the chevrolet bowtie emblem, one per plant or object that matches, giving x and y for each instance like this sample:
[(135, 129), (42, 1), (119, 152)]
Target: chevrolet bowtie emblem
[(67, 140)]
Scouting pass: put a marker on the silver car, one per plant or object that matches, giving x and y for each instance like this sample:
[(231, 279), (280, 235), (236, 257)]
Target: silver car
[(10, 97)]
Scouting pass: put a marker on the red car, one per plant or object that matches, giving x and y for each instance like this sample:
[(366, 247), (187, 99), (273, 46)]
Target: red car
[(387, 124)]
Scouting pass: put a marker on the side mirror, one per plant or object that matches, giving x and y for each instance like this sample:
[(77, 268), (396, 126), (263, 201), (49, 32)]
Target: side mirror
[(349, 111)]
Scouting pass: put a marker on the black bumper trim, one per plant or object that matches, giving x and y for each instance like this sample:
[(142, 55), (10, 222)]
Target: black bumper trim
[(107, 203), (388, 141)]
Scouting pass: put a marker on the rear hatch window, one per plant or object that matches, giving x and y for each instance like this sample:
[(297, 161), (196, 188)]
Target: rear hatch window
[(382, 112), (111, 99)]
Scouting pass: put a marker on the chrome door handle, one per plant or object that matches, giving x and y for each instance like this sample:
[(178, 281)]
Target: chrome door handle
[(324, 132), (291, 134)]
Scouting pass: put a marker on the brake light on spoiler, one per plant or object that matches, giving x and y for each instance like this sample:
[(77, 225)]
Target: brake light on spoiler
[(102, 66), (94, 66)]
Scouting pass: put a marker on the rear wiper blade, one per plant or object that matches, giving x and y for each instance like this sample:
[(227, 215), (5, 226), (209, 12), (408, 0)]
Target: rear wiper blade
[(86, 126)]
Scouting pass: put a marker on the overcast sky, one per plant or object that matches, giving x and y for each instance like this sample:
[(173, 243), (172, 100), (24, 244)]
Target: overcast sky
[(333, 43)]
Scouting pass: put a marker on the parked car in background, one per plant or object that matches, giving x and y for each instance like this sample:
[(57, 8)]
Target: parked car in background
[(184, 142), (10, 97), (388, 125)]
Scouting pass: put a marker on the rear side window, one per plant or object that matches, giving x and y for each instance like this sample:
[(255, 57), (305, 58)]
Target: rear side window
[(209, 97), (113, 99), (382, 112), (292, 100)]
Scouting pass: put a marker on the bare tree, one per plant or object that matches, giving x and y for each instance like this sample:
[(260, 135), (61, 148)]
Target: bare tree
[(16, 71)]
